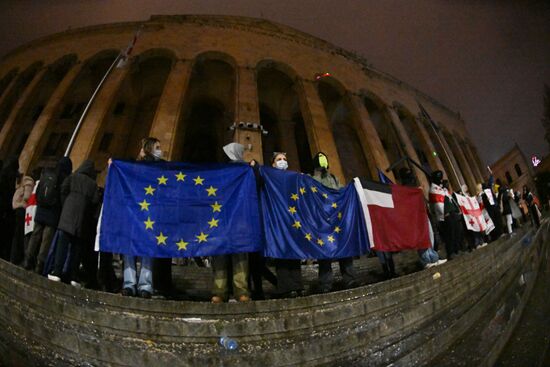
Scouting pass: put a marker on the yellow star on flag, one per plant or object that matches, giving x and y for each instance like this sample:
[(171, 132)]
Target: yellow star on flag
[(180, 177), (320, 242), (330, 239), (162, 180), (202, 237), (211, 191), (198, 180), (294, 197), (182, 245), (337, 229), (313, 189), (297, 224), (308, 236), (334, 205), (149, 223), (292, 209), (325, 195), (216, 207), (213, 222), (339, 215), (161, 239), (302, 190), (149, 190), (144, 205)]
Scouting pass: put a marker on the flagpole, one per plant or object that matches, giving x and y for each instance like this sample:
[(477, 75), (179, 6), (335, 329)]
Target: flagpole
[(83, 115), (123, 55), (432, 124)]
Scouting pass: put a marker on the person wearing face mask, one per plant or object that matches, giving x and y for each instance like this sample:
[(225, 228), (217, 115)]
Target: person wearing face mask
[(149, 152), (322, 174), (289, 271)]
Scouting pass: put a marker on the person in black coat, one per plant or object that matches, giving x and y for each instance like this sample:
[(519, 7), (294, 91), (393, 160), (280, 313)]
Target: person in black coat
[(78, 192), (45, 222), (8, 177)]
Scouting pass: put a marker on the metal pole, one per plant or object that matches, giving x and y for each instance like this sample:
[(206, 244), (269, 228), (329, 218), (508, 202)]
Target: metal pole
[(443, 147), (77, 128)]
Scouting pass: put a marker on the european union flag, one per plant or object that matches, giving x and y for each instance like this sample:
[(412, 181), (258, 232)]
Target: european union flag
[(305, 220), (168, 209)]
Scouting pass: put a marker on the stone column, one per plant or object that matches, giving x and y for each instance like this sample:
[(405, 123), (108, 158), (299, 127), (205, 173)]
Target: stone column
[(471, 161), (317, 126), (8, 89), (35, 142), (477, 160), (91, 126), (8, 128), (409, 148), (428, 145), (165, 125), (463, 161), (368, 136), (247, 110), (455, 176)]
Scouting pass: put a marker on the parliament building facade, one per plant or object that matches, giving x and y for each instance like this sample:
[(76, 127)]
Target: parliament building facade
[(199, 82)]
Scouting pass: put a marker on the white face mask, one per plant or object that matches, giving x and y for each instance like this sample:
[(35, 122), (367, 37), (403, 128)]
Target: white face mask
[(282, 164), (157, 153)]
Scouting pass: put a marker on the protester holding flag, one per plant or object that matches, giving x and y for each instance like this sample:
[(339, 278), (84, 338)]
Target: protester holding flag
[(428, 257), (48, 209), (238, 262), (322, 174), (23, 191), (289, 271), (452, 235), (149, 152)]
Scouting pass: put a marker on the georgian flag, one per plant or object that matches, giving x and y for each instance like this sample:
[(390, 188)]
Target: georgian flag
[(473, 214), (395, 216), (486, 217), (30, 211)]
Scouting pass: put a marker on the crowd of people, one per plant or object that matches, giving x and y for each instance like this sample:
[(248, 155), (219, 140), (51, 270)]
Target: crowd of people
[(57, 240)]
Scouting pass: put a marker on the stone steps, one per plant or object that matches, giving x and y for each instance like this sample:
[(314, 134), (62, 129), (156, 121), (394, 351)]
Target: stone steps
[(404, 321)]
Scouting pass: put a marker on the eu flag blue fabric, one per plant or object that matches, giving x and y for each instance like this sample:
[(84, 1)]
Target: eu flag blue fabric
[(168, 209), (305, 220)]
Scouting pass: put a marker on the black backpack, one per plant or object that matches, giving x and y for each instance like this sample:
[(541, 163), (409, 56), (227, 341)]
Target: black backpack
[(47, 192)]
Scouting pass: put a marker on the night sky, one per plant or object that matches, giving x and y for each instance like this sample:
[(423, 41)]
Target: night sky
[(487, 60)]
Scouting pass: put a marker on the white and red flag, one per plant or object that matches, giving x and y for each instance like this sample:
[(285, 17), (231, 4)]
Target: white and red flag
[(30, 211), (125, 55), (472, 213), (437, 201), (395, 216)]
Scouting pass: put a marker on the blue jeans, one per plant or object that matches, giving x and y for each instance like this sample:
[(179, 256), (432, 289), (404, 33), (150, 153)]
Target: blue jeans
[(429, 255), (145, 282)]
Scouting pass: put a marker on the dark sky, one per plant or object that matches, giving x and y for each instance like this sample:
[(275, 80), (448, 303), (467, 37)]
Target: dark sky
[(487, 60)]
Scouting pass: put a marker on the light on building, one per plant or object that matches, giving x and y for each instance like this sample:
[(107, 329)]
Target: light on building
[(434, 153), (321, 75), (535, 160)]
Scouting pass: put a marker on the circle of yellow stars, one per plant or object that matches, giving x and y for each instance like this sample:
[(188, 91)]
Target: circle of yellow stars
[(295, 197), (162, 239)]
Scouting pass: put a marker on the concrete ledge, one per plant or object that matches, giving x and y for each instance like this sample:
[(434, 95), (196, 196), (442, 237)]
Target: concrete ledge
[(405, 321)]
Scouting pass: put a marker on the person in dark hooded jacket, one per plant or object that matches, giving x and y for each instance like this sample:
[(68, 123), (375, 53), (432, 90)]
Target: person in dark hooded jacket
[(45, 222), (8, 178), (78, 192)]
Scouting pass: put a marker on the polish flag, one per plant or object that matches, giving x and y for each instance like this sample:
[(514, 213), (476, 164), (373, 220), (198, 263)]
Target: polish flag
[(395, 216)]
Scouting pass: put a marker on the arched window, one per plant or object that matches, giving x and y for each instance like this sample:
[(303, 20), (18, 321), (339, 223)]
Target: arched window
[(518, 169), (509, 177)]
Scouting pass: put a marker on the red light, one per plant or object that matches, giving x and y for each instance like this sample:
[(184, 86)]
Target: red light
[(321, 75)]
